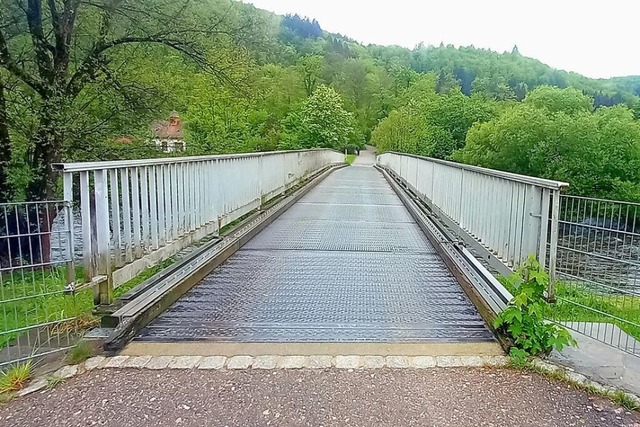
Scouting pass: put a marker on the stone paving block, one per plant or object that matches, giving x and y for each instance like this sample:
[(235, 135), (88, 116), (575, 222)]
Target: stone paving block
[(422, 362), (265, 362), (448, 361), (397, 361), (159, 362), (318, 362), (66, 372), (93, 362), (184, 362), (472, 361), (496, 361), (115, 361), (348, 362), (373, 362), (291, 362), (549, 367), (36, 385), (212, 362), (576, 377), (239, 362), (136, 362)]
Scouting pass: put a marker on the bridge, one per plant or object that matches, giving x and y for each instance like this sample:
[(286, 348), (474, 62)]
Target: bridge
[(298, 248), (341, 254)]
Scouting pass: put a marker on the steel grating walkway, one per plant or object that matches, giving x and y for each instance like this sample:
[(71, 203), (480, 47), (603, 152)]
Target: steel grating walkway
[(347, 263)]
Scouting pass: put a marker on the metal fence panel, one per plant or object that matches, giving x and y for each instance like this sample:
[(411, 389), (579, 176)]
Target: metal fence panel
[(41, 308), (598, 269)]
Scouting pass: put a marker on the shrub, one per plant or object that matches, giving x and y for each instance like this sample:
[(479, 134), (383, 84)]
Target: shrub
[(523, 320)]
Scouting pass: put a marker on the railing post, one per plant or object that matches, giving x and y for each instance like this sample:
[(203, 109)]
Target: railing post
[(553, 251), (544, 227)]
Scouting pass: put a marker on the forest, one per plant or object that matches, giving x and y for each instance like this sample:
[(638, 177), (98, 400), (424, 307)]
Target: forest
[(83, 80)]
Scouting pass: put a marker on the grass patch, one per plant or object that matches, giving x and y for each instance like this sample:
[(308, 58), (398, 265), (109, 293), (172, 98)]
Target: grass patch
[(80, 352), (350, 158), (33, 297), (16, 377), (625, 307), (142, 276), (621, 398), (53, 381)]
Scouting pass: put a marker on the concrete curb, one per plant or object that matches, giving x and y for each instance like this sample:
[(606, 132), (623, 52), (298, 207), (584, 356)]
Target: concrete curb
[(245, 362)]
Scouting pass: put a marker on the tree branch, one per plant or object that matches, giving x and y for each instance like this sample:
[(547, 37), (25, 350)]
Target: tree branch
[(86, 72), (9, 64)]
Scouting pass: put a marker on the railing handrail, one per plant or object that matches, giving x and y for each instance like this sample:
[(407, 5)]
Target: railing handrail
[(525, 179), (115, 164)]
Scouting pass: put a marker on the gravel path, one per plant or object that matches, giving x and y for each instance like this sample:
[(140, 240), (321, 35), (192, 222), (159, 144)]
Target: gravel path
[(384, 397)]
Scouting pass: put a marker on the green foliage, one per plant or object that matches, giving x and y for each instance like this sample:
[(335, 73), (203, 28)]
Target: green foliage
[(16, 377), (570, 101), (430, 124), (80, 352), (523, 320), (349, 158), (322, 122)]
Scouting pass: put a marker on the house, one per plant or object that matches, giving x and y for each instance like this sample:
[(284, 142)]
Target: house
[(168, 134)]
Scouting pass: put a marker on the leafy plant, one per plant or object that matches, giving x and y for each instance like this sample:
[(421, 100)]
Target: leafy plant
[(523, 320), (16, 377)]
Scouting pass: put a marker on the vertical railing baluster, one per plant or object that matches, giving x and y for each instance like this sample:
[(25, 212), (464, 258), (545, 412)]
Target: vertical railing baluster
[(87, 225), (104, 293), (162, 226), (126, 214), (67, 182), (153, 207), (135, 200), (115, 217), (144, 199)]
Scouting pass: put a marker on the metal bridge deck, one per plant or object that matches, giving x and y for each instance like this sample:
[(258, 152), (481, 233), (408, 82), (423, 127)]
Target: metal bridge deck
[(347, 263)]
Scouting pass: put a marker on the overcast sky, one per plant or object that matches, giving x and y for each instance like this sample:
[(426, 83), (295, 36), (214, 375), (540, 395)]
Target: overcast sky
[(596, 38)]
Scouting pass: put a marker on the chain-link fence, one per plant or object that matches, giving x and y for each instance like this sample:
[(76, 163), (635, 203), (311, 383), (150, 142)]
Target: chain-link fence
[(598, 270), (42, 310)]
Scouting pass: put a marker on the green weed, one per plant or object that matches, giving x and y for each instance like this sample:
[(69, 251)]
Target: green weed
[(80, 352), (16, 377)]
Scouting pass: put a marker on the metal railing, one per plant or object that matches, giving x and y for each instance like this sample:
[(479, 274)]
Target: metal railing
[(512, 216), (598, 267), (136, 213), (41, 309)]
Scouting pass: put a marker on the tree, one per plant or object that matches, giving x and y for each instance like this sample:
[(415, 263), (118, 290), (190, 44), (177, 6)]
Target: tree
[(310, 68), (324, 123), (5, 147), (569, 100), (56, 50), (598, 153)]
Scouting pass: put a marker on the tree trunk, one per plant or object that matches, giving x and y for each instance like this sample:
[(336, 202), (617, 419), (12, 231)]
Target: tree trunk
[(5, 148), (47, 149), (44, 180)]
